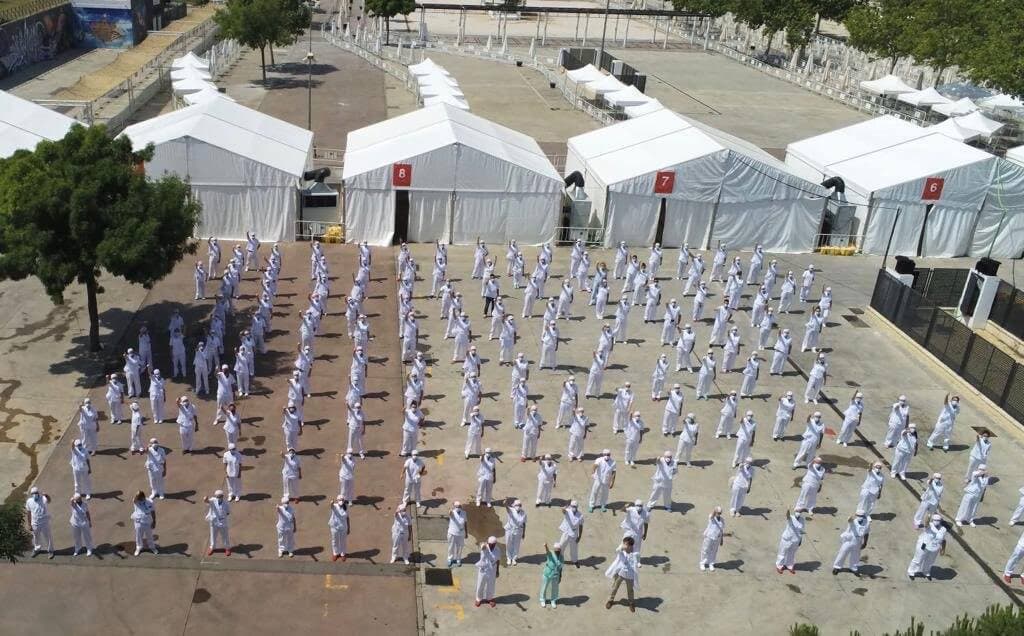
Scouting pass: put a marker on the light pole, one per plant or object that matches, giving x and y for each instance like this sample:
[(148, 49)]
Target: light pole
[(604, 30), (309, 68)]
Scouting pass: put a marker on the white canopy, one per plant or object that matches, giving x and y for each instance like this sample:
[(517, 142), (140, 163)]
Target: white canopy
[(647, 108), (962, 106), (1002, 102), (952, 129), (23, 124), (427, 67), (190, 60), (999, 230), (628, 96), (452, 100), (204, 96), (888, 85), (444, 88), (190, 85), (584, 74), (1016, 155), (243, 166), (923, 99), (706, 185), (190, 72), (983, 125), (460, 176), (607, 84), (436, 77)]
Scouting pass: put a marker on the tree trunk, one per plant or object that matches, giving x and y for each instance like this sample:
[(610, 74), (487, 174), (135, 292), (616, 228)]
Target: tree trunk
[(273, 62), (768, 47), (94, 315), (817, 25), (263, 63), (938, 76), (892, 63), (387, 30)]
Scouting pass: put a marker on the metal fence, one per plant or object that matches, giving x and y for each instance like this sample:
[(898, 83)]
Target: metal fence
[(942, 286), (575, 58), (985, 367), (1008, 309), (309, 230), (591, 236)]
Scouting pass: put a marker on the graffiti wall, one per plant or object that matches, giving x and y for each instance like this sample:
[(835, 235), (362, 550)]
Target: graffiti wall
[(34, 39), (109, 24)]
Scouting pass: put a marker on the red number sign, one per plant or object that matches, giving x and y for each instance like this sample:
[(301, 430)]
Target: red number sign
[(933, 189), (401, 175), (664, 182)]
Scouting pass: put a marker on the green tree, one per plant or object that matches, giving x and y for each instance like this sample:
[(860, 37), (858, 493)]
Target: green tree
[(714, 8), (880, 29), (14, 534), (834, 10), (78, 205), (388, 9), (795, 17), (997, 59), (941, 31), (255, 23), (295, 17)]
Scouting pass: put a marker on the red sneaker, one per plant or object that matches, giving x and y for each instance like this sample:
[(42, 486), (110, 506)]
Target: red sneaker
[(227, 552), (476, 604), (334, 558), (344, 558), (491, 602), (779, 569), (209, 552), (1007, 578)]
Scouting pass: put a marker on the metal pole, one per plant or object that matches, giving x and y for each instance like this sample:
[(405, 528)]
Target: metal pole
[(892, 232), (586, 28), (544, 37), (625, 36), (604, 31), (576, 35)]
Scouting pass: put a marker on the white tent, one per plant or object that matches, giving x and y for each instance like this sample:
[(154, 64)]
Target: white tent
[(887, 86), (810, 157), (923, 99), (204, 96), (427, 67), (628, 96), (937, 184), (1002, 102), (999, 230), (1016, 155), (607, 84), (243, 166), (700, 184), (584, 74), (190, 72), (23, 124), (436, 78), (952, 129), (190, 60), (449, 175), (451, 100), (647, 108), (962, 106), (432, 89), (190, 85), (980, 123)]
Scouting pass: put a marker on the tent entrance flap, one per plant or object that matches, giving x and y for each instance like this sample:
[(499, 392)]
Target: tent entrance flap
[(429, 216), (659, 232), (401, 217)]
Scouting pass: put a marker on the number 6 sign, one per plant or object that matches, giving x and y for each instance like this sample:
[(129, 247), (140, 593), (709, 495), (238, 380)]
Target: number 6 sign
[(933, 189), (664, 182), (401, 175)]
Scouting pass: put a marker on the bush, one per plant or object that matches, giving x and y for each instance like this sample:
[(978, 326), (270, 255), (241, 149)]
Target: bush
[(803, 629), (14, 535), (997, 620)]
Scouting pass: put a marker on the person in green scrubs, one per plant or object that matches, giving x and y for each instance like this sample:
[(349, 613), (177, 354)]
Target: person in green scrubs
[(552, 576)]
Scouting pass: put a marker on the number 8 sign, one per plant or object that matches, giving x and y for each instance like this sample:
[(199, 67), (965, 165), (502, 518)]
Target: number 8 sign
[(933, 189), (401, 175), (664, 182)]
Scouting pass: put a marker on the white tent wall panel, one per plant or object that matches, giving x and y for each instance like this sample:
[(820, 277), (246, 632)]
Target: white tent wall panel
[(480, 214), (480, 171), (434, 170), (687, 222), (428, 215), (1000, 226), (369, 215), (632, 218), (778, 225), (905, 230)]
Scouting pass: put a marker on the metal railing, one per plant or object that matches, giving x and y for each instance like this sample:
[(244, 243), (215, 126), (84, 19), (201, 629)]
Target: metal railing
[(984, 366), (591, 236), (309, 230), (25, 9)]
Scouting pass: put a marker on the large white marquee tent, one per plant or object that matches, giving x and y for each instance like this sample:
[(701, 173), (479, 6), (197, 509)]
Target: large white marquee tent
[(245, 167), (465, 177), (23, 124), (702, 184), (938, 185)]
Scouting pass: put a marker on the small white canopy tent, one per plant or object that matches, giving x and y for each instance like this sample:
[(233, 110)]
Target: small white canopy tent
[(1002, 102), (23, 124), (652, 106), (465, 177), (985, 126), (702, 184), (584, 74), (427, 67), (1016, 155), (607, 84), (190, 85), (190, 73), (962, 106), (628, 96), (204, 96), (952, 129), (923, 99), (937, 184), (451, 100), (243, 166), (190, 60), (887, 86)]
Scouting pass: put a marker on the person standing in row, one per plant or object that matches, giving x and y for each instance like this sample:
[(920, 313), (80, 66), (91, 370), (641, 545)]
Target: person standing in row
[(488, 568), (551, 577), (81, 525), (339, 526), (37, 508), (217, 512), (623, 570), (714, 538)]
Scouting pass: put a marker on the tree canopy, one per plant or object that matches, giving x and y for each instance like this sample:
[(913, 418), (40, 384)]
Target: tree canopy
[(388, 9), (80, 205), (262, 23)]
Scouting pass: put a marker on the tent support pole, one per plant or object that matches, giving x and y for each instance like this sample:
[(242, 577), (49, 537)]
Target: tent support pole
[(892, 232), (714, 217)]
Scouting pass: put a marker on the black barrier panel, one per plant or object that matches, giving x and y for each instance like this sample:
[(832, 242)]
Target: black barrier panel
[(915, 312), (1014, 322), (1002, 302)]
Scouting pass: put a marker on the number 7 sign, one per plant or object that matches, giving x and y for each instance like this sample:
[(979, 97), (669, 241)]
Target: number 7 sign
[(401, 175), (664, 182), (933, 189)]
